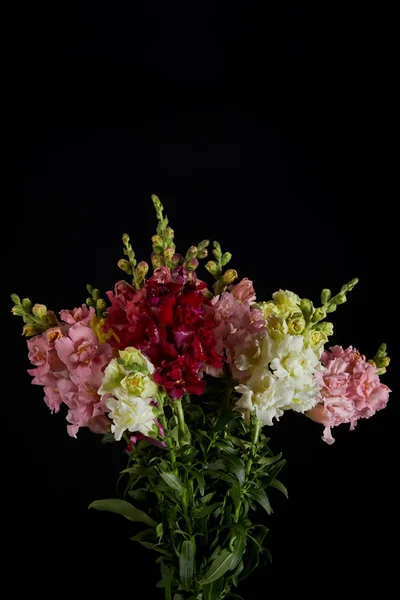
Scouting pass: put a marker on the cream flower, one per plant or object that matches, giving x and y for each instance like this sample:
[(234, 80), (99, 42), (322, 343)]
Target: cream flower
[(132, 414), (283, 379)]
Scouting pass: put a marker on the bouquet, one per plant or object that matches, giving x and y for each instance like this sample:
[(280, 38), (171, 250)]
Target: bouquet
[(190, 379)]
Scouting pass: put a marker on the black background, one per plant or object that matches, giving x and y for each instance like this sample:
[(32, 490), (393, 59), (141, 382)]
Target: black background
[(271, 131)]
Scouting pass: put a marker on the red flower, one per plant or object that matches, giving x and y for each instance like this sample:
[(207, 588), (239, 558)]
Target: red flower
[(167, 320)]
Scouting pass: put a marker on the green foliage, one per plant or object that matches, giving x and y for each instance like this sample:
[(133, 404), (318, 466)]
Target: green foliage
[(94, 299), (199, 496), (215, 267)]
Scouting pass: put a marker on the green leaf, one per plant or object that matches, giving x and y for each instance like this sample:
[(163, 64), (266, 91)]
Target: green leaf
[(156, 547), (236, 493), (200, 480), (218, 465), (269, 460), (178, 597), (239, 546), (261, 497), (121, 507), (218, 568), (160, 530), (225, 419), (186, 564), (235, 464), (173, 482), (167, 576), (207, 498), (108, 438), (199, 513), (252, 555), (279, 486), (142, 535), (139, 495)]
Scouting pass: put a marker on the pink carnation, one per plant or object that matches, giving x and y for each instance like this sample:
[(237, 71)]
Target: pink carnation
[(350, 389)]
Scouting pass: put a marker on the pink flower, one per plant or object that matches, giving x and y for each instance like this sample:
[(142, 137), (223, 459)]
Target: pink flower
[(83, 315), (243, 292), (43, 357), (162, 275), (81, 353), (350, 388)]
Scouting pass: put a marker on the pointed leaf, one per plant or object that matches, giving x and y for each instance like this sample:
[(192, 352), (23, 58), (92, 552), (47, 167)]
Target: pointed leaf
[(236, 466), (200, 480), (218, 568), (186, 564), (226, 418), (121, 507), (172, 480), (199, 513), (279, 486), (261, 497)]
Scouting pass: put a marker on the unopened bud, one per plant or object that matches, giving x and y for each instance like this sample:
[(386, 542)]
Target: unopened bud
[(89, 288), (213, 268), (306, 307), (142, 269), (203, 244), (30, 330), (26, 304), (229, 276), (90, 301), (202, 253), (192, 251), (124, 265), (176, 259), (340, 299), (319, 314), (326, 327), (40, 311), (156, 260), (192, 264), (101, 305), (170, 233), (125, 239), (226, 257), (157, 240), (17, 311), (168, 253), (96, 294), (325, 296), (16, 299)]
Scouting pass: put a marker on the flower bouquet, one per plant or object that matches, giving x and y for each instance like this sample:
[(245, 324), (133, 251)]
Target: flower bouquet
[(189, 379)]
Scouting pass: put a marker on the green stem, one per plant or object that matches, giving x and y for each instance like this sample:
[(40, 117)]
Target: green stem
[(163, 421), (251, 455), (181, 417)]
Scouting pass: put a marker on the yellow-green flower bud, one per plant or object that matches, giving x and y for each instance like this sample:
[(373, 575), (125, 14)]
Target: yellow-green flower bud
[(229, 276), (325, 296), (326, 327), (192, 252), (319, 315), (17, 311), (27, 305), (156, 260), (192, 264), (125, 239), (170, 233), (40, 311), (306, 307), (176, 259), (142, 269), (157, 240), (213, 268), (101, 305), (340, 299), (226, 257), (202, 253), (124, 266), (30, 330), (168, 253)]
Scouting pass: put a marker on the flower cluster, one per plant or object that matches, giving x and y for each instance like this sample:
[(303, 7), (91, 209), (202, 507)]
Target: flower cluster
[(188, 375), (350, 389)]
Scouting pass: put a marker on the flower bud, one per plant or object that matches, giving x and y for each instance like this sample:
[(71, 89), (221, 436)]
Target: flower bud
[(90, 301), (319, 314), (340, 299), (204, 244), (202, 253), (168, 253), (17, 311), (325, 296), (142, 269), (89, 288), (26, 304), (306, 307), (157, 240), (226, 257), (170, 233), (331, 308), (156, 260), (326, 327), (229, 276), (213, 268), (176, 259), (192, 264), (101, 305), (30, 330), (125, 239), (40, 311), (124, 266), (16, 299), (296, 324)]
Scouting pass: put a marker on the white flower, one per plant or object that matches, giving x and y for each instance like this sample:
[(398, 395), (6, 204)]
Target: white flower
[(283, 379), (128, 381), (132, 414)]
